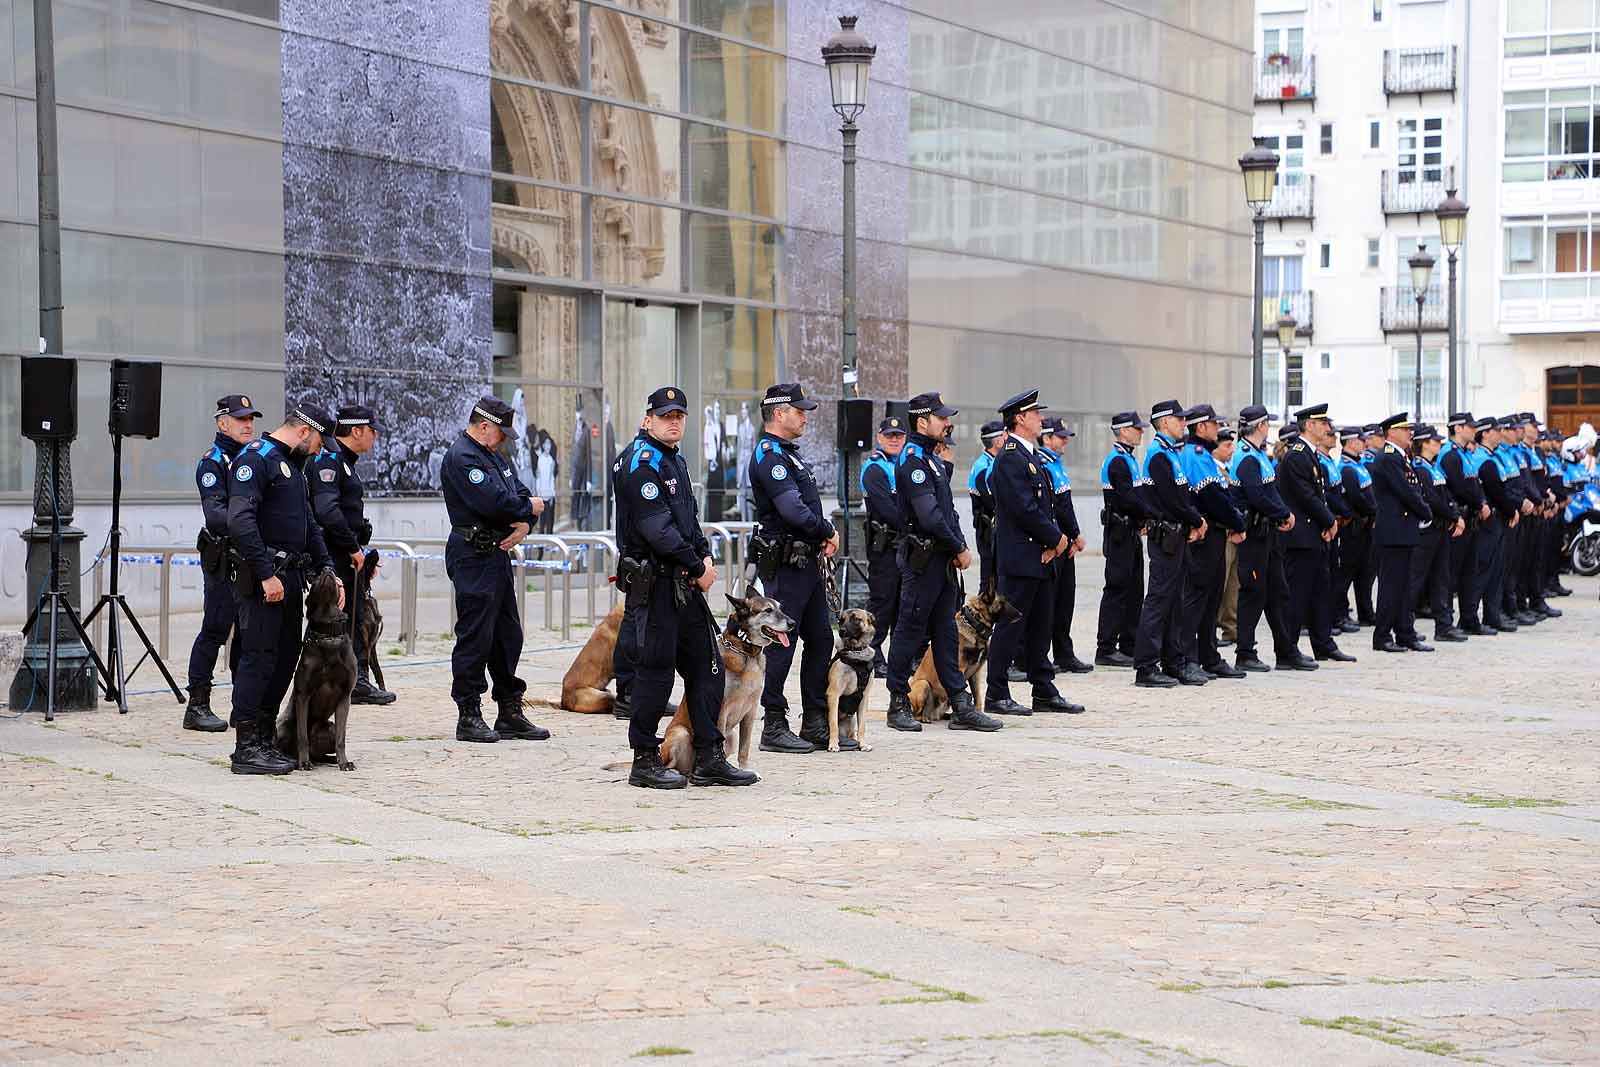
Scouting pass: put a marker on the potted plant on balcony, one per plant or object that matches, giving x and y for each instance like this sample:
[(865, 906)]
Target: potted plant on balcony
[(1278, 59)]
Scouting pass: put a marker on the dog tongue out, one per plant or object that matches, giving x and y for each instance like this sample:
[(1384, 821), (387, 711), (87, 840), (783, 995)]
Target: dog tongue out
[(783, 638)]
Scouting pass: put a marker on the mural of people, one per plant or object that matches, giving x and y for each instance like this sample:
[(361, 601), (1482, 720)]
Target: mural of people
[(580, 478), (544, 482)]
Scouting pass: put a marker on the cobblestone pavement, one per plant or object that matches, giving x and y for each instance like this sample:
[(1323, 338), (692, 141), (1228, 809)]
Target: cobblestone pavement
[(1396, 861)]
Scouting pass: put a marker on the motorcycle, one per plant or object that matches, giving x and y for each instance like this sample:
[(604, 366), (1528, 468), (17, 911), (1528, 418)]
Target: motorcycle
[(1584, 549)]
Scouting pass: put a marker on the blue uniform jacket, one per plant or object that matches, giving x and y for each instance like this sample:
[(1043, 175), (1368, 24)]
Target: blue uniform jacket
[(656, 514), (1205, 482), (481, 488), (1401, 508), (1167, 487), (877, 489), (786, 497), (1061, 490), (1255, 488), (269, 509), (211, 477), (1122, 485)]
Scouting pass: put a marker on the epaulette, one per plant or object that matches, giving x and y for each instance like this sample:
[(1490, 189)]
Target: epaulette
[(1298, 446), (651, 456), (1390, 446), (1011, 446), (911, 449), (764, 447)]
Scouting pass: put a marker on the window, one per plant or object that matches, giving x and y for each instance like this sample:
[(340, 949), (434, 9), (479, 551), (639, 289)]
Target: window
[(1325, 139), (1281, 275), (1291, 150), (1289, 42), (1549, 258), (1404, 249), (1279, 393), (1296, 393), (1326, 256), (1374, 250), (1375, 134), (1377, 10), (1404, 396), (1546, 27), (1326, 361), (1419, 150), (1550, 134)]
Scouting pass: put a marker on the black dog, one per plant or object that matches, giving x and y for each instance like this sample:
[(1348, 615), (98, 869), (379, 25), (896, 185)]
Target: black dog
[(369, 620), (319, 709)]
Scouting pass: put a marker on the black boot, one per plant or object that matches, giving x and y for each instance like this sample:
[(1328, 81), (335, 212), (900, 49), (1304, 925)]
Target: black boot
[(512, 725), (267, 741), (814, 731), (470, 725), (1113, 659), (900, 717), (649, 772), (198, 715), (622, 706), (1150, 678), (1191, 674), (1251, 664), (247, 755), (367, 693), (1053, 701), (711, 767), (775, 735), (964, 715)]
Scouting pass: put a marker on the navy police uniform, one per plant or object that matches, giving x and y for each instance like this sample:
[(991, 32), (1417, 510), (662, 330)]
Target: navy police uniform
[(338, 501), (1430, 563), (792, 527), (273, 534), (1158, 651), (1460, 468), (1263, 589), (1122, 517), (1207, 563), (983, 501), (1302, 481), (484, 499), (1066, 569), (622, 651), (1401, 512), (221, 606), (883, 536), (1355, 540), (1504, 503)]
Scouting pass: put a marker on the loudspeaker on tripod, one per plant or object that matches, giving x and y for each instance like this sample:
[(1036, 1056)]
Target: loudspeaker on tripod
[(855, 424), (135, 399), (49, 398)]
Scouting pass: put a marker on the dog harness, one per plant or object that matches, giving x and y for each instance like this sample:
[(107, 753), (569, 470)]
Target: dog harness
[(340, 633), (979, 627), (860, 660)]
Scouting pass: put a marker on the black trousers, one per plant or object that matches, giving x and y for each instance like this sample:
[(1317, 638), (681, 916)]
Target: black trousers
[(488, 629), (1202, 595), (352, 606), (1066, 599), (1310, 608), (1123, 597), (1365, 562), (622, 651), (1530, 588), (270, 635), (986, 573), (927, 611), (1035, 599), (1355, 549), (220, 616), (883, 598), (1464, 576), (1511, 565), (1159, 639), (1395, 607), (1430, 577), (1491, 568), (798, 590), (1263, 590), (667, 638)]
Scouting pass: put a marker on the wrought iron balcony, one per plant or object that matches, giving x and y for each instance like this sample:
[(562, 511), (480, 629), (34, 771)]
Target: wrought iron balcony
[(1419, 70), (1302, 306), (1284, 78), (1397, 308), (1415, 191), (1297, 201)]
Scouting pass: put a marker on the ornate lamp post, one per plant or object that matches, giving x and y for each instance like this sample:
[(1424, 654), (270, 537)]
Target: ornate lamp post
[(1286, 328), (1452, 212), (1260, 169), (1421, 265)]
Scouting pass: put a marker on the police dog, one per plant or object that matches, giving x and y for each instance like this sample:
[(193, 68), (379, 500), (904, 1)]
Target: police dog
[(975, 623), (583, 687), (850, 677), (370, 623), (754, 623), (319, 709)]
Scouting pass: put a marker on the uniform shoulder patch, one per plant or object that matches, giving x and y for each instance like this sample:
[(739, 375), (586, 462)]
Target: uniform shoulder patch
[(649, 490), (244, 472), (1298, 446), (208, 479), (475, 476), (1011, 446), (780, 472), (1032, 469), (327, 475), (919, 475), (284, 467)]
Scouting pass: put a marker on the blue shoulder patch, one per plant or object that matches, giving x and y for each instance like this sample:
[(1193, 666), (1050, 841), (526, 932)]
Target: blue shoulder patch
[(215, 455), (651, 456), (911, 449)]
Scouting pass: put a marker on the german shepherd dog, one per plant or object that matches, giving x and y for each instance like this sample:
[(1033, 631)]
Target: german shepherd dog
[(370, 620), (850, 677), (319, 709), (583, 687), (975, 623), (755, 623)]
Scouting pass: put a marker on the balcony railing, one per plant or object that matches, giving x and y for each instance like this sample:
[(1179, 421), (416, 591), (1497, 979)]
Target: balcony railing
[(1284, 77), (1397, 308), (1297, 201), (1419, 70), (1415, 192), (1301, 306)]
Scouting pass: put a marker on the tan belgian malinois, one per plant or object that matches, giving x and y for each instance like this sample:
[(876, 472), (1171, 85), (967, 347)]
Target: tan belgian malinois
[(975, 623)]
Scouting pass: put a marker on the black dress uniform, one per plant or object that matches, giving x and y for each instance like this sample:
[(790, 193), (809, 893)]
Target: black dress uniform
[(792, 523), (271, 528), (1158, 651), (929, 591), (663, 551), (1461, 479), (1122, 517), (1401, 511), (1302, 481), (883, 536), (221, 607), (1504, 503), (1263, 589), (338, 501), (484, 499), (1206, 567), (983, 502), (1355, 541), (1430, 563)]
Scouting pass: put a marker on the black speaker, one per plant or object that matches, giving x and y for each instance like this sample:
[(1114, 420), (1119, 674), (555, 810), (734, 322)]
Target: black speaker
[(49, 398), (855, 424), (135, 399)]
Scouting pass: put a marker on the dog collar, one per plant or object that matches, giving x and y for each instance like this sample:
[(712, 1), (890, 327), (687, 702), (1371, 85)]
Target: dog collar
[(741, 646), (983, 631), (855, 655)]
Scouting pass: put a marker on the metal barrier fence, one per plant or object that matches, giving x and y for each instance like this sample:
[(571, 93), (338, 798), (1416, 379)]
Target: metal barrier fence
[(592, 554)]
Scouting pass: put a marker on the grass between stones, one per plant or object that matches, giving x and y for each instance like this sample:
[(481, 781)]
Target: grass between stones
[(663, 1050), (930, 994), (1095, 1038), (1390, 1033), (1492, 800)]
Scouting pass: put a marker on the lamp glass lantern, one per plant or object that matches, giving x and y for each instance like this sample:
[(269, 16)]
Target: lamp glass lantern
[(1452, 212), (1421, 265), (1286, 328), (1260, 169), (848, 56)]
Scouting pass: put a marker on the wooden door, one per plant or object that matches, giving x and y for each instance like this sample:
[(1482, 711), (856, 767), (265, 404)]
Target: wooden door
[(1572, 397)]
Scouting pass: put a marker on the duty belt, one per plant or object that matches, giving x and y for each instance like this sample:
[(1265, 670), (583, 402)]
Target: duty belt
[(1114, 518), (481, 537)]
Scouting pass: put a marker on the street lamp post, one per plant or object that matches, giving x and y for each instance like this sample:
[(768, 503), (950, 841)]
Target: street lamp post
[(1452, 212), (1421, 265), (1260, 169), (1286, 328)]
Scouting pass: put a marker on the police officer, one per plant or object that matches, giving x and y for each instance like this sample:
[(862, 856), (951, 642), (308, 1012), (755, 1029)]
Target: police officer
[(930, 552), (1206, 566), (793, 531), (1365, 566), (1302, 484), (1262, 586), (490, 512), (1027, 539), (1512, 465), (1505, 506), (1430, 563), (1542, 491), (1122, 518), (337, 499), (1401, 511), (1355, 547), (883, 535), (1228, 609), (1562, 487), (622, 651), (236, 421), (1176, 524), (993, 435), (1053, 446), (666, 568), (1459, 462), (277, 545)]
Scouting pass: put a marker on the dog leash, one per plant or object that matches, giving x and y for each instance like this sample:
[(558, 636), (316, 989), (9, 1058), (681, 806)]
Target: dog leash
[(830, 586)]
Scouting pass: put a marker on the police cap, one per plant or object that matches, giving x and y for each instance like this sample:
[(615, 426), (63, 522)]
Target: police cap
[(892, 425), (991, 429), (313, 417), (788, 393), (929, 404), (1200, 413), (236, 404), (1488, 422), (1400, 420), (1350, 433), (1372, 428), (498, 413), (1225, 434), (1315, 411), (1123, 420), (1459, 418), (1425, 432), (1251, 416), (667, 398), (1162, 409), (353, 415), (1028, 401), (1056, 428)]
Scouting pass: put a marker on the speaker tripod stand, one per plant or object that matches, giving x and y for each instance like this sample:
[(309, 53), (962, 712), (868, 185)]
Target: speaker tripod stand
[(116, 606)]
